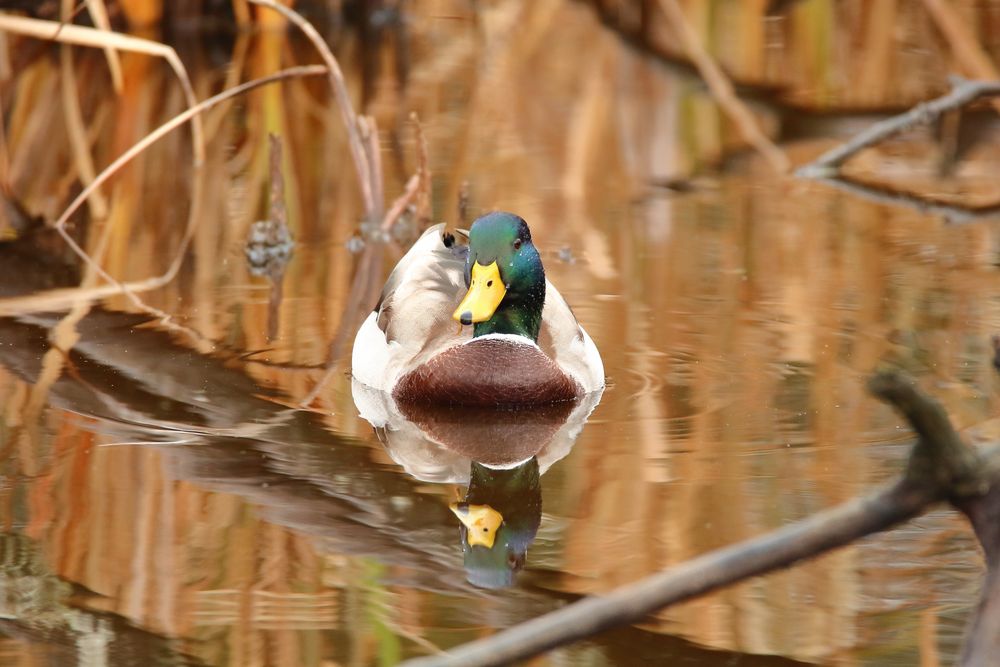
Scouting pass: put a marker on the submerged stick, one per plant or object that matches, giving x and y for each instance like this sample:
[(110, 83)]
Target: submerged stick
[(963, 92), (941, 466)]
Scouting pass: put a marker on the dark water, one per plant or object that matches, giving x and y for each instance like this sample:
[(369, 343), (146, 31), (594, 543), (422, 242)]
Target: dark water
[(164, 497)]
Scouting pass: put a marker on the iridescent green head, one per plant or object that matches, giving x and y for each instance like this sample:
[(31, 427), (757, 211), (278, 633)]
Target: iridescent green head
[(505, 278)]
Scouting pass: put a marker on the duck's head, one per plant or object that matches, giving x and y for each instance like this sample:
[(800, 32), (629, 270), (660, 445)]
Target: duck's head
[(505, 278)]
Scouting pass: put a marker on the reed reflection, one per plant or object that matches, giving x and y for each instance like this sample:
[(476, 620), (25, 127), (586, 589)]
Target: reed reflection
[(42, 609), (499, 455)]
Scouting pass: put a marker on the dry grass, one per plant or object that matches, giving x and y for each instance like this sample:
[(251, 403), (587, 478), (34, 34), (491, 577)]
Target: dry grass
[(360, 130), (61, 298), (99, 14)]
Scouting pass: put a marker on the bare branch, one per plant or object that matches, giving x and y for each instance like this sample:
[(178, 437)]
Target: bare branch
[(963, 92), (939, 459), (940, 467)]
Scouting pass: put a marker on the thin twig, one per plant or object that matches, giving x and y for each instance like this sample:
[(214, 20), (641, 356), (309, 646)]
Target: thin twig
[(964, 91), (722, 89), (410, 192), (99, 15), (362, 162), (922, 485)]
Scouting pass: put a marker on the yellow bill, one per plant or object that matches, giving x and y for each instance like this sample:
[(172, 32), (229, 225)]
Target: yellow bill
[(481, 522), (486, 291)]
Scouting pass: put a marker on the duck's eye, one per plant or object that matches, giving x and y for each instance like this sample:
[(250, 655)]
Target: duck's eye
[(517, 244), (489, 284)]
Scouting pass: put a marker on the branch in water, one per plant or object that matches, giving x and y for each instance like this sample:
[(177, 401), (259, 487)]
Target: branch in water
[(941, 467)]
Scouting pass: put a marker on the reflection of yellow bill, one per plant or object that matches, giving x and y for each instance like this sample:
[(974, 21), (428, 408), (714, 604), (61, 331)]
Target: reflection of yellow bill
[(486, 291), (481, 523)]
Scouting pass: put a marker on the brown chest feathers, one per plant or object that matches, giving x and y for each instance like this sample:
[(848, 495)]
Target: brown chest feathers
[(488, 373)]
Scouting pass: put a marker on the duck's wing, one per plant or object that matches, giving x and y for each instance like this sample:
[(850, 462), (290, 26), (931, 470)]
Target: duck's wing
[(435, 246), (565, 341), (412, 320)]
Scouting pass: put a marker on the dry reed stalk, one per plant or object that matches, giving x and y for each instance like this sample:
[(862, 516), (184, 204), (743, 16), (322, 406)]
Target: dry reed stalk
[(369, 131), (75, 127), (63, 297), (365, 161), (241, 12), (99, 39), (395, 212), (99, 14), (71, 34), (63, 337), (141, 146), (722, 89)]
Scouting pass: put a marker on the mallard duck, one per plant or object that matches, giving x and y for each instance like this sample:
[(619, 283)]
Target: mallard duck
[(475, 324)]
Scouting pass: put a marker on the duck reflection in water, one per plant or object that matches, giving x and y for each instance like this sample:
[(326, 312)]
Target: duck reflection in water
[(500, 517), (501, 456)]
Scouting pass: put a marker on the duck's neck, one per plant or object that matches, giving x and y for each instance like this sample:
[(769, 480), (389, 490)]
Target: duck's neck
[(521, 318)]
